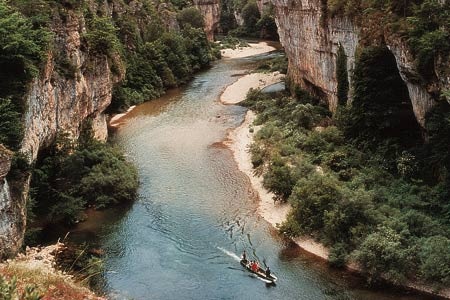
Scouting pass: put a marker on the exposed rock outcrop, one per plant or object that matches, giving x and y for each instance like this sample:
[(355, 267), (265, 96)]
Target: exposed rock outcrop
[(10, 225), (210, 10), (312, 48), (59, 104), (311, 39), (422, 101), (57, 101), (5, 161)]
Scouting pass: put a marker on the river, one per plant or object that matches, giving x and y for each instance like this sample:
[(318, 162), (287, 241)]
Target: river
[(196, 212)]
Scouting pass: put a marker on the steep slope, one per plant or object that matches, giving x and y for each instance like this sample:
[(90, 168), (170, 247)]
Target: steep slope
[(210, 10), (74, 86), (311, 37), (91, 44)]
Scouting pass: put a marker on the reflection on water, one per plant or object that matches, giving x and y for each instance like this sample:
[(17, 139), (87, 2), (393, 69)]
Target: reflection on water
[(196, 212)]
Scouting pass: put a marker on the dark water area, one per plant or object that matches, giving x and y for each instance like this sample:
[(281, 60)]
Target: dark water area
[(196, 212)]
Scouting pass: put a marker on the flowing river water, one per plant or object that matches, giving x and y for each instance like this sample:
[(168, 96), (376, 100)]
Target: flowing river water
[(196, 211)]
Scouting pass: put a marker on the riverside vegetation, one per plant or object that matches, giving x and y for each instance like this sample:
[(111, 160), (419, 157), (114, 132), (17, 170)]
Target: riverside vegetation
[(71, 175), (423, 24), (254, 24), (360, 182), (155, 57)]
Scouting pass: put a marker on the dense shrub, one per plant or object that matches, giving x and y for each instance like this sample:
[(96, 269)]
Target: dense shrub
[(311, 198), (66, 181), (279, 179), (387, 214), (382, 252), (341, 76), (101, 36), (251, 15), (11, 127), (190, 16), (435, 259), (158, 59), (267, 26), (375, 113)]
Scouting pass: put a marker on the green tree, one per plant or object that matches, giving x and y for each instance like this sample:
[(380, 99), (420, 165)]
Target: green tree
[(23, 46), (311, 198), (279, 179), (66, 181), (251, 15), (382, 252), (267, 26), (376, 115), (11, 127), (435, 259), (190, 16), (341, 76), (102, 37)]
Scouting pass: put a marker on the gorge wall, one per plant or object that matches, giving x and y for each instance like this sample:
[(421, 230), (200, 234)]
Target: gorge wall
[(56, 103), (210, 9), (8, 210), (311, 39), (91, 45)]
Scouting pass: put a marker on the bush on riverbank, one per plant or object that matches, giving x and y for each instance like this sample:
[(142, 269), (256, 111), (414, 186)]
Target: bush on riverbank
[(393, 225), (157, 57), (69, 179)]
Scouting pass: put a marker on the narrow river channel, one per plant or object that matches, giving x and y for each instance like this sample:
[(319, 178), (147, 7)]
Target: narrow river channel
[(196, 212)]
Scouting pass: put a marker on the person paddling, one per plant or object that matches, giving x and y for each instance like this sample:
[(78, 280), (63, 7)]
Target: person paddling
[(244, 256), (268, 272), (254, 266)]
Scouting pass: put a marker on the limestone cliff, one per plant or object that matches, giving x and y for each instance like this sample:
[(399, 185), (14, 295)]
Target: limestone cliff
[(210, 10), (312, 48), (8, 228), (57, 101), (311, 39)]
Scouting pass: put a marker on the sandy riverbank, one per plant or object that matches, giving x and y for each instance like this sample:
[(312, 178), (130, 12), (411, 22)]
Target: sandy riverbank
[(115, 121), (239, 141), (236, 92), (252, 49)]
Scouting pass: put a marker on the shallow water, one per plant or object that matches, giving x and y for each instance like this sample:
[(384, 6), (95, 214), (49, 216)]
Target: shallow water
[(196, 212)]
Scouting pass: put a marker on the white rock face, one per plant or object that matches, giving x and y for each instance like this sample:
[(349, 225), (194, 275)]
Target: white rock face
[(312, 48), (311, 42), (210, 10), (57, 103), (12, 222), (421, 100)]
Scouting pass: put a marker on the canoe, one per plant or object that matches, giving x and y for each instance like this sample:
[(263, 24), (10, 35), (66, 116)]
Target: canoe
[(260, 273)]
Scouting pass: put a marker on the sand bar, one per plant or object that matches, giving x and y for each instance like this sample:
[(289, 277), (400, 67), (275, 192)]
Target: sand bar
[(236, 92), (252, 49), (115, 121)]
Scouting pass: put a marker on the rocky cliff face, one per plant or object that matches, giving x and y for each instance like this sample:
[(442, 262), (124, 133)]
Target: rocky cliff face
[(10, 225), (57, 102), (210, 10), (311, 39), (311, 48)]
